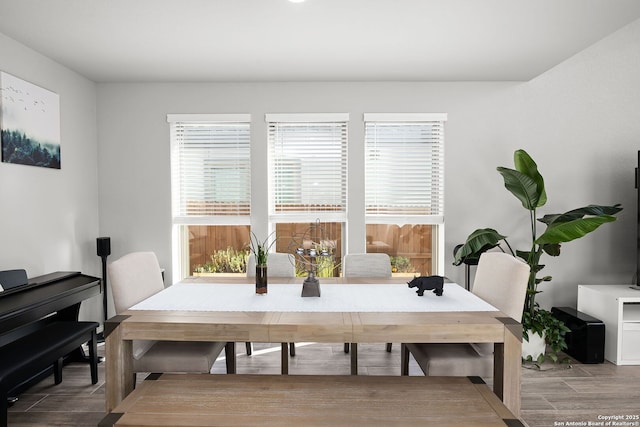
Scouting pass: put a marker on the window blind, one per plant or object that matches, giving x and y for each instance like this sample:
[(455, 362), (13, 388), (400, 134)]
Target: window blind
[(404, 168), (307, 166), (211, 169)]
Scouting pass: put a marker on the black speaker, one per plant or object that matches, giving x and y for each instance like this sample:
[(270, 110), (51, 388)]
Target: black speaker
[(104, 246), (104, 250), (585, 342)]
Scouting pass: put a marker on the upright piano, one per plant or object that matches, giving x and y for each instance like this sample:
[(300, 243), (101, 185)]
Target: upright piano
[(43, 299)]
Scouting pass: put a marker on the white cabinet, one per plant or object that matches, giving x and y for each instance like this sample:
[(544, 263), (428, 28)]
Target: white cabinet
[(618, 306)]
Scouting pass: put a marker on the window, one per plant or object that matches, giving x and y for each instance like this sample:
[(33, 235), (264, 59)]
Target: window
[(211, 187), (308, 176), (404, 189), (403, 200)]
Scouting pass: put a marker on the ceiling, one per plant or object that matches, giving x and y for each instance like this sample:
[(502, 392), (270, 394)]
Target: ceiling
[(318, 40)]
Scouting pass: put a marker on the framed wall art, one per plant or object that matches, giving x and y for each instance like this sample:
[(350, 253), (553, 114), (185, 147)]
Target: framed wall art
[(30, 123)]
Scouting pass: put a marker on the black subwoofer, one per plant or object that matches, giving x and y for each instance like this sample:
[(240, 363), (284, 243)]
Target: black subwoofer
[(585, 342)]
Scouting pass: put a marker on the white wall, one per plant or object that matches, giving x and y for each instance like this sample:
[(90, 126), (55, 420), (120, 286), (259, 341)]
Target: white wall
[(579, 121), (49, 217), (134, 141)]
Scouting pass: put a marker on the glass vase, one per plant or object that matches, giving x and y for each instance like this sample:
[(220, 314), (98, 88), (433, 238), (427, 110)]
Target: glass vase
[(261, 279)]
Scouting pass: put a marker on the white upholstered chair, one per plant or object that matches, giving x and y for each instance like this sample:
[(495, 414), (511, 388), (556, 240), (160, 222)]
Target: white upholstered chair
[(366, 265), (501, 280), (278, 265), (135, 277)]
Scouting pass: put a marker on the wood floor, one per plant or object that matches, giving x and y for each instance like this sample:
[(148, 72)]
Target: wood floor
[(560, 395)]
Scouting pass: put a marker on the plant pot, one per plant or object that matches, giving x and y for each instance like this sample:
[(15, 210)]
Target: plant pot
[(261, 279), (535, 347)]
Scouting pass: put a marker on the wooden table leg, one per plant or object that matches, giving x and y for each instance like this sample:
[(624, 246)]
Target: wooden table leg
[(230, 357), (354, 358), (118, 363), (284, 358), (404, 359), (507, 365)]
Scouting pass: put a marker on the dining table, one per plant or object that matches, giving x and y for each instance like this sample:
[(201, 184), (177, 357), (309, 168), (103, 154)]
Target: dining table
[(348, 310)]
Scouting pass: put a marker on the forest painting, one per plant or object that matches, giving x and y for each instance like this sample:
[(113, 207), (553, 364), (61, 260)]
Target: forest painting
[(30, 123)]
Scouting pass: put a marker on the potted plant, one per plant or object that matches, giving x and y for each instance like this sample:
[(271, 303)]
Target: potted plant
[(260, 250), (526, 183)]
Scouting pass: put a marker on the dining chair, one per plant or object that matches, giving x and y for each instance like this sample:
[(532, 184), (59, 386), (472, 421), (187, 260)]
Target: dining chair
[(135, 277), (501, 280), (278, 265), (366, 265)]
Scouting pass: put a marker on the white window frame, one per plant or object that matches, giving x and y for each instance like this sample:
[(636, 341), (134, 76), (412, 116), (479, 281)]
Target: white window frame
[(182, 216), (306, 215), (431, 213)]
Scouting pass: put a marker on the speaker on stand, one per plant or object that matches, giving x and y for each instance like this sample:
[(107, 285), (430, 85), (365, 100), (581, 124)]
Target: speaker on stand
[(103, 245)]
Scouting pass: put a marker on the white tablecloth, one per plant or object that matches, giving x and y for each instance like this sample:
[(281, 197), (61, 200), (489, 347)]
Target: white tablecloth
[(334, 298)]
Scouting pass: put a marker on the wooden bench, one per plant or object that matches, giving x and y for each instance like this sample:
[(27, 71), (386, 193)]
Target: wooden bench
[(32, 353), (300, 400)]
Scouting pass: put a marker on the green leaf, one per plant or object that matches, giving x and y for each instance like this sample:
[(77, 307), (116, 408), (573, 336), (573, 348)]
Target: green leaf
[(525, 164), (590, 210), (523, 254), (571, 230), (543, 279), (522, 186), (552, 249), (481, 240), (537, 267)]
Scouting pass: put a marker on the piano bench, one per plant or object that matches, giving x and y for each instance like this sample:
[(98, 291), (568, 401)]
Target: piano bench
[(31, 354)]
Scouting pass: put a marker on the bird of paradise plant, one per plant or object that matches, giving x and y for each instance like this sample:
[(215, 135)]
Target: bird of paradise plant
[(527, 184)]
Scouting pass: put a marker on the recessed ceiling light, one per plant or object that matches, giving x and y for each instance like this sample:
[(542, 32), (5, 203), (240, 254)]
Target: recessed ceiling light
[(296, 1)]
